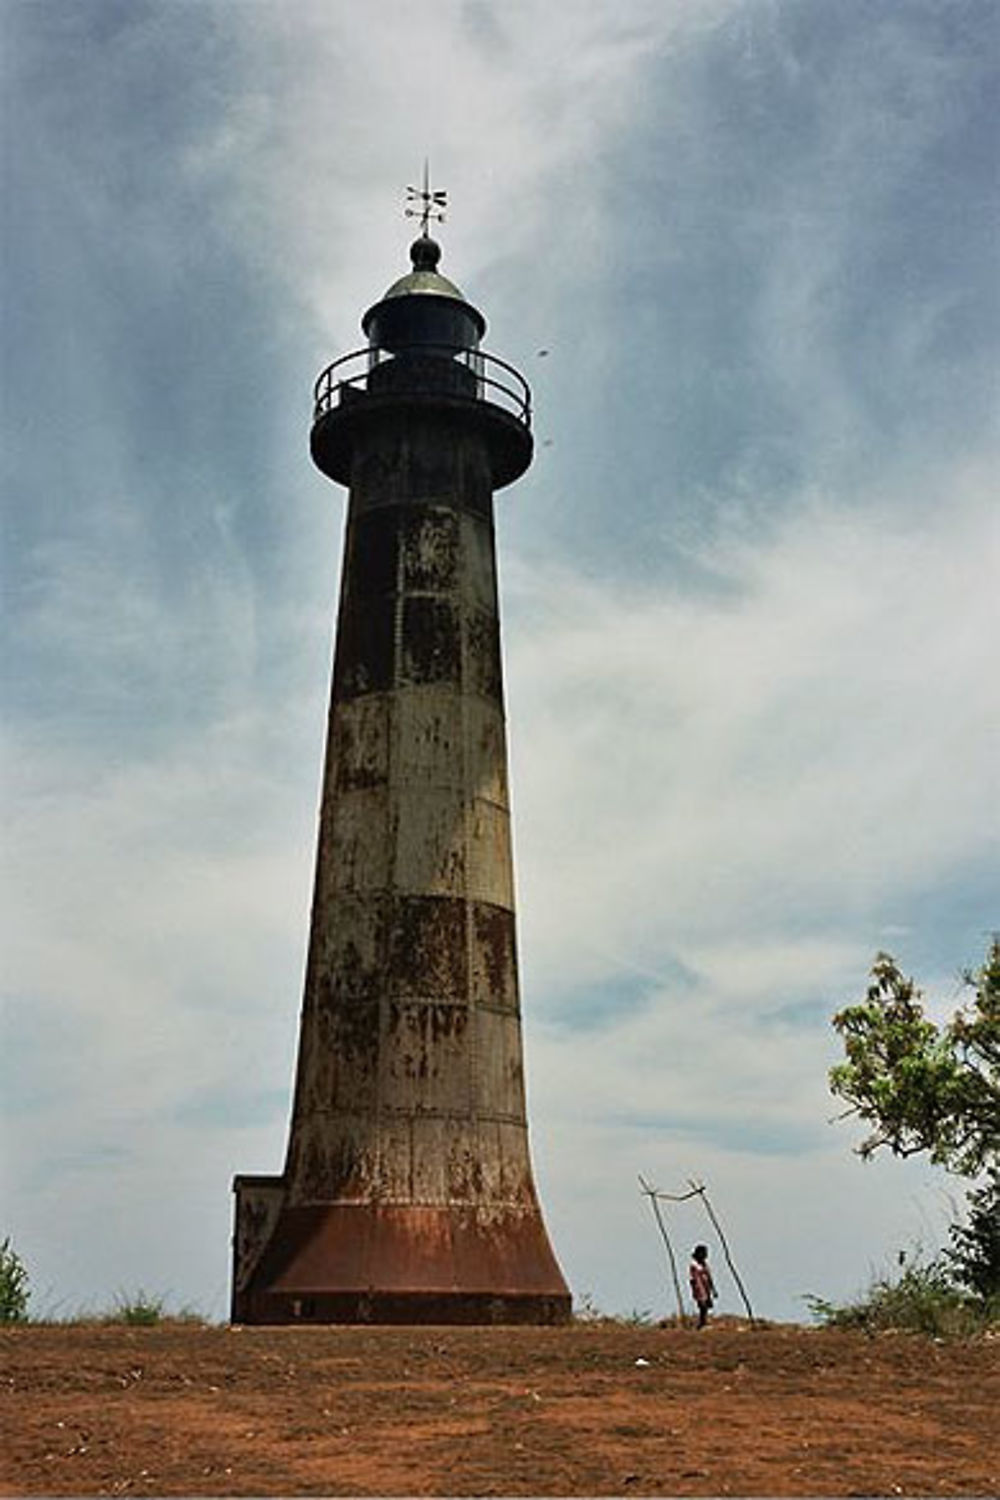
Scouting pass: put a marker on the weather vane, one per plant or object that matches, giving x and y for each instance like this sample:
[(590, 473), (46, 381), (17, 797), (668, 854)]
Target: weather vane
[(432, 204)]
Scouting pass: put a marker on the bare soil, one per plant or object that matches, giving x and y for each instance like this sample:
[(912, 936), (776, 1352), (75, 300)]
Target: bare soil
[(592, 1409)]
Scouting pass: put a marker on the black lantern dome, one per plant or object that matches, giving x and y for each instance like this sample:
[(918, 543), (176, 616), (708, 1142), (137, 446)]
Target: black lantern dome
[(423, 307)]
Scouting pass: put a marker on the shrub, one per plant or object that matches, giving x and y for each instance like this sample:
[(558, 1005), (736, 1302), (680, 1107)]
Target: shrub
[(14, 1290), (924, 1299)]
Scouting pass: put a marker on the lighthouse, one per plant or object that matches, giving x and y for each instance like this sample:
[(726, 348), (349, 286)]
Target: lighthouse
[(407, 1194)]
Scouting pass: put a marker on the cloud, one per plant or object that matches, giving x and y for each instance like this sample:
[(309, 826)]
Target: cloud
[(518, 139), (787, 751)]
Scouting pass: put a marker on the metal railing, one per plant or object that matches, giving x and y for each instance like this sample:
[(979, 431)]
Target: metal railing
[(422, 369)]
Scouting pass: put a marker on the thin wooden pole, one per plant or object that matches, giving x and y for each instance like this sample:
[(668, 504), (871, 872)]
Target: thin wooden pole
[(699, 1188), (651, 1195)]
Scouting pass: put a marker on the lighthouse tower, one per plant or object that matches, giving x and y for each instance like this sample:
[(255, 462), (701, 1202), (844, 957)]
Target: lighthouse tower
[(407, 1194)]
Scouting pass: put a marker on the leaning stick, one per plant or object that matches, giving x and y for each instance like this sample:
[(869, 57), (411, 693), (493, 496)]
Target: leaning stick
[(651, 1195), (699, 1188)]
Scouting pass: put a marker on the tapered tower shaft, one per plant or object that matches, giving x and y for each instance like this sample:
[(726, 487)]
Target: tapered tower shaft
[(407, 1193)]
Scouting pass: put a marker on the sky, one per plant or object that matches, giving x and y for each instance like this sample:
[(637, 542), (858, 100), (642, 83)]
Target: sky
[(749, 590)]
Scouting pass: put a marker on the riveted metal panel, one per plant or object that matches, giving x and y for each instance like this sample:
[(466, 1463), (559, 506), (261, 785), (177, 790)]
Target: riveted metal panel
[(498, 1043), (493, 958), (427, 952), (485, 743), (359, 743), (425, 1057), (335, 1162), (490, 1176), (490, 872), (371, 563), (365, 657), (429, 842), (347, 946), (429, 744), (360, 845), (432, 467), (431, 1134), (340, 1051), (378, 477), (395, 1157), (431, 646), (475, 491), (465, 1170), (516, 1183), (482, 642), (478, 577)]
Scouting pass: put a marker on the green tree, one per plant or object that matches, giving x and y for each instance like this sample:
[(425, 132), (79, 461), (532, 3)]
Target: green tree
[(921, 1087), (14, 1291)]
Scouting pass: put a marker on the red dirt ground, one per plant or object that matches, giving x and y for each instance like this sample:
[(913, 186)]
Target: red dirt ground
[(592, 1409)]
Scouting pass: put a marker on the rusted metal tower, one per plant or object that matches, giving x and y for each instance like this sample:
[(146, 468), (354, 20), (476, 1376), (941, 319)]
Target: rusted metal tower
[(407, 1194)]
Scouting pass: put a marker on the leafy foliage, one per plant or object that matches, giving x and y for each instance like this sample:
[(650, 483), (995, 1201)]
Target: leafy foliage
[(974, 1255), (922, 1300), (924, 1088), (14, 1291)]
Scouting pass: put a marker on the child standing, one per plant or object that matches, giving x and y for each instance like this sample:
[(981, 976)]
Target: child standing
[(702, 1285)]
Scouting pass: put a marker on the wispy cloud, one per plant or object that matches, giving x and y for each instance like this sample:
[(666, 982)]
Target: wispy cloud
[(789, 751)]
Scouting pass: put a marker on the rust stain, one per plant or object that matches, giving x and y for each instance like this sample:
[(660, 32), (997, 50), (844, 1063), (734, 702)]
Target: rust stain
[(431, 641), (359, 744), (494, 956), (426, 946), (485, 670)]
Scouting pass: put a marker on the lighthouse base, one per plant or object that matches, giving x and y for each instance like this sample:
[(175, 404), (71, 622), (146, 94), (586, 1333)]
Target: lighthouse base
[(404, 1308), (390, 1263)]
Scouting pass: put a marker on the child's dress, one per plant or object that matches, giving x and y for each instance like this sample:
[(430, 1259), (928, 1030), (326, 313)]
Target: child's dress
[(702, 1289)]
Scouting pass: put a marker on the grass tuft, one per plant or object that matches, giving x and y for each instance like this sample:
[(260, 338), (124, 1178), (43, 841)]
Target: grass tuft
[(139, 1311)]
